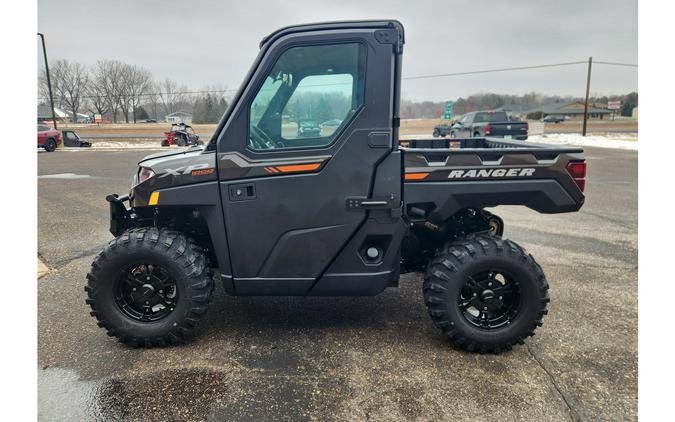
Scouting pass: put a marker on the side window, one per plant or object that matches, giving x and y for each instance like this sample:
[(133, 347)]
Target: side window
[(310, 94)]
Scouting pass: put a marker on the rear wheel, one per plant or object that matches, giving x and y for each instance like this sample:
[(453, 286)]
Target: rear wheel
[(50, 145), (485, 293), (149, 287)]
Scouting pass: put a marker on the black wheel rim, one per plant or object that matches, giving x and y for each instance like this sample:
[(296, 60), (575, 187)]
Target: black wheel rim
[(490, 300), (146, 292)]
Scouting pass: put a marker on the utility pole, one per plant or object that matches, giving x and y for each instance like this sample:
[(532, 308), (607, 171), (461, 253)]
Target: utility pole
[(49, 81), (588, 89)]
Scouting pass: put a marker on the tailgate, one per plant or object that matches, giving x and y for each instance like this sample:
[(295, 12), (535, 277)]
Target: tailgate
[(507, 128)]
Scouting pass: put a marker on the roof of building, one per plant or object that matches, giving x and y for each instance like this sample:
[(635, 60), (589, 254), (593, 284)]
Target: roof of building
[(514, 108), (45, 112), (576, 107), (179, 113)]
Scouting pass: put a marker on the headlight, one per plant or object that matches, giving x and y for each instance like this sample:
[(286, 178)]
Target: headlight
[(144, 174)]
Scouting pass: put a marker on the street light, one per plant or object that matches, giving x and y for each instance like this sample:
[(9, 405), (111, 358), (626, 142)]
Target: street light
[(49, 81)]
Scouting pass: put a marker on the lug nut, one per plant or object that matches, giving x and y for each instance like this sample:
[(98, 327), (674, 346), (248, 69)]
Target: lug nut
[(500, 297), (147, 303), (485, 308), (475, 294), (162, 291), (134, 289), (489, 284), (147, 278)]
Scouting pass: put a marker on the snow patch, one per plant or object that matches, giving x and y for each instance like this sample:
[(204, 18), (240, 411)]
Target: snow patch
[(617, 141), (67, 176)]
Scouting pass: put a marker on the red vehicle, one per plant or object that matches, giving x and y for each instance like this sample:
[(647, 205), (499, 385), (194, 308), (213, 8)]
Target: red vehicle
[(181, 135), (48, 138)]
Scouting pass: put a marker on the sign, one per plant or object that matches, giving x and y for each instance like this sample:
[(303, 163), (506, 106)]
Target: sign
[(447, 112), (613, 105), (97, 118)]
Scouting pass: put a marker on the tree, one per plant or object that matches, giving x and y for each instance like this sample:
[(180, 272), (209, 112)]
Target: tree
[(171, 95), (70, 81), (140, 113), (109, 79), (630, 101), (137, 82)]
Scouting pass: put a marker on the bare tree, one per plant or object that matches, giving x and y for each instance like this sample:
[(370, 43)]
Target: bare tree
[(109, 80), (96, 93), (137, 83), (171, 95), (70, 84)]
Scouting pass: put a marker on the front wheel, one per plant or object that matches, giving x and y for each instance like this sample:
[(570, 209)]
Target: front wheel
[(50, 145), (485, 293), (436, 133), (149, 287)]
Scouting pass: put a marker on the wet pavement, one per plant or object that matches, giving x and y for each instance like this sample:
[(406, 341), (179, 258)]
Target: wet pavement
[(379, 358)]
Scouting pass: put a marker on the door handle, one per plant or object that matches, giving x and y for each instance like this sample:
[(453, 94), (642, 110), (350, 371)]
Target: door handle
[(242, 192)]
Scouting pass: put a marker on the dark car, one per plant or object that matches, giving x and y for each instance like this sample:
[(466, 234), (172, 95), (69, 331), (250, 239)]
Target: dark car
[(332, 123), (308, 129), (48, 138), (552, 119), (494, 124), (72, 139)]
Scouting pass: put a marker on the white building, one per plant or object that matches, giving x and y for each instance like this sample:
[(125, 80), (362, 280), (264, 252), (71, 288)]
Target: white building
[(179, 117)]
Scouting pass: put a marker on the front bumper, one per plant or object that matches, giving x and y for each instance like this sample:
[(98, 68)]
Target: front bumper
[(120, 215)]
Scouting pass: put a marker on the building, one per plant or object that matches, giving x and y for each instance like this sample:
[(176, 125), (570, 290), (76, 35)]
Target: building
[(179, 117), (573, 110), (44, 113)]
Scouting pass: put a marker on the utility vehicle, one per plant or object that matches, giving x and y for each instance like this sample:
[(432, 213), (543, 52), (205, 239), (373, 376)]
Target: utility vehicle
[(263, 211), (182, 135)]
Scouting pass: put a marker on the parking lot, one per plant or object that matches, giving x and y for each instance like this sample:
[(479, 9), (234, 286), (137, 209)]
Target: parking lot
[(371, 358)]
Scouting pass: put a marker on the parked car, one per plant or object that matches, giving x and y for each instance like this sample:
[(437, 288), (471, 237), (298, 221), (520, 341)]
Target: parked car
[(308, 129), (442, 130), (72, 139), (552, 119), (48, 138), (479, 124), (332, 123)]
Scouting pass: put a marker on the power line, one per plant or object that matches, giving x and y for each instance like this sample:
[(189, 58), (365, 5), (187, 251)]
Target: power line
[(440, 75), (616, 64), (503, 69), (508, 69)]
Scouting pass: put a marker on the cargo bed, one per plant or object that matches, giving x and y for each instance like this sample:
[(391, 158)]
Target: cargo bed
[(486, 172)]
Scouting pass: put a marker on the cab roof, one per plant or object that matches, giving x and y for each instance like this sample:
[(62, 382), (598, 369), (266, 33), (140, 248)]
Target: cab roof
[(322, 26)]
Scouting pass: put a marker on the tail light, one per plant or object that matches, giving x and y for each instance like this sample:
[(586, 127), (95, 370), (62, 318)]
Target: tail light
[(577, 169), (527, 127), (488, 129)]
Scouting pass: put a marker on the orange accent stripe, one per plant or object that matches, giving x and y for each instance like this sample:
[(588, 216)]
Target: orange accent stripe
[(416, 176), (299, 167)]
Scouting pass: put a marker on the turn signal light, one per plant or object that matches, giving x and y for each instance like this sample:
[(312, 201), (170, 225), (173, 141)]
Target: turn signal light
[(577, 169)]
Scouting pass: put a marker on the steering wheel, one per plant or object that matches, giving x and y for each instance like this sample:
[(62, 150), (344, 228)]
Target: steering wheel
[(261, 140)]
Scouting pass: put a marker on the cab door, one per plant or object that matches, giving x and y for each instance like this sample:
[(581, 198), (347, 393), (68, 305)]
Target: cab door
[(300, 152)]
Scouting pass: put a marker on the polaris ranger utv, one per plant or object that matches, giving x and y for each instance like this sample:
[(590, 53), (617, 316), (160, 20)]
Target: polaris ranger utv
[(264, 211)]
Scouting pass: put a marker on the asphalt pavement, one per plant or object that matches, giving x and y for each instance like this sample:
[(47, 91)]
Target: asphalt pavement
[(373, 358)]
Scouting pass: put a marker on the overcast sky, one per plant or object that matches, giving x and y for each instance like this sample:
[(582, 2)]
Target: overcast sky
[(202, 43)]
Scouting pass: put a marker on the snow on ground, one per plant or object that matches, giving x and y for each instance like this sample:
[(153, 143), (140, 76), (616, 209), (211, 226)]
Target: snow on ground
[(609, 140)]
